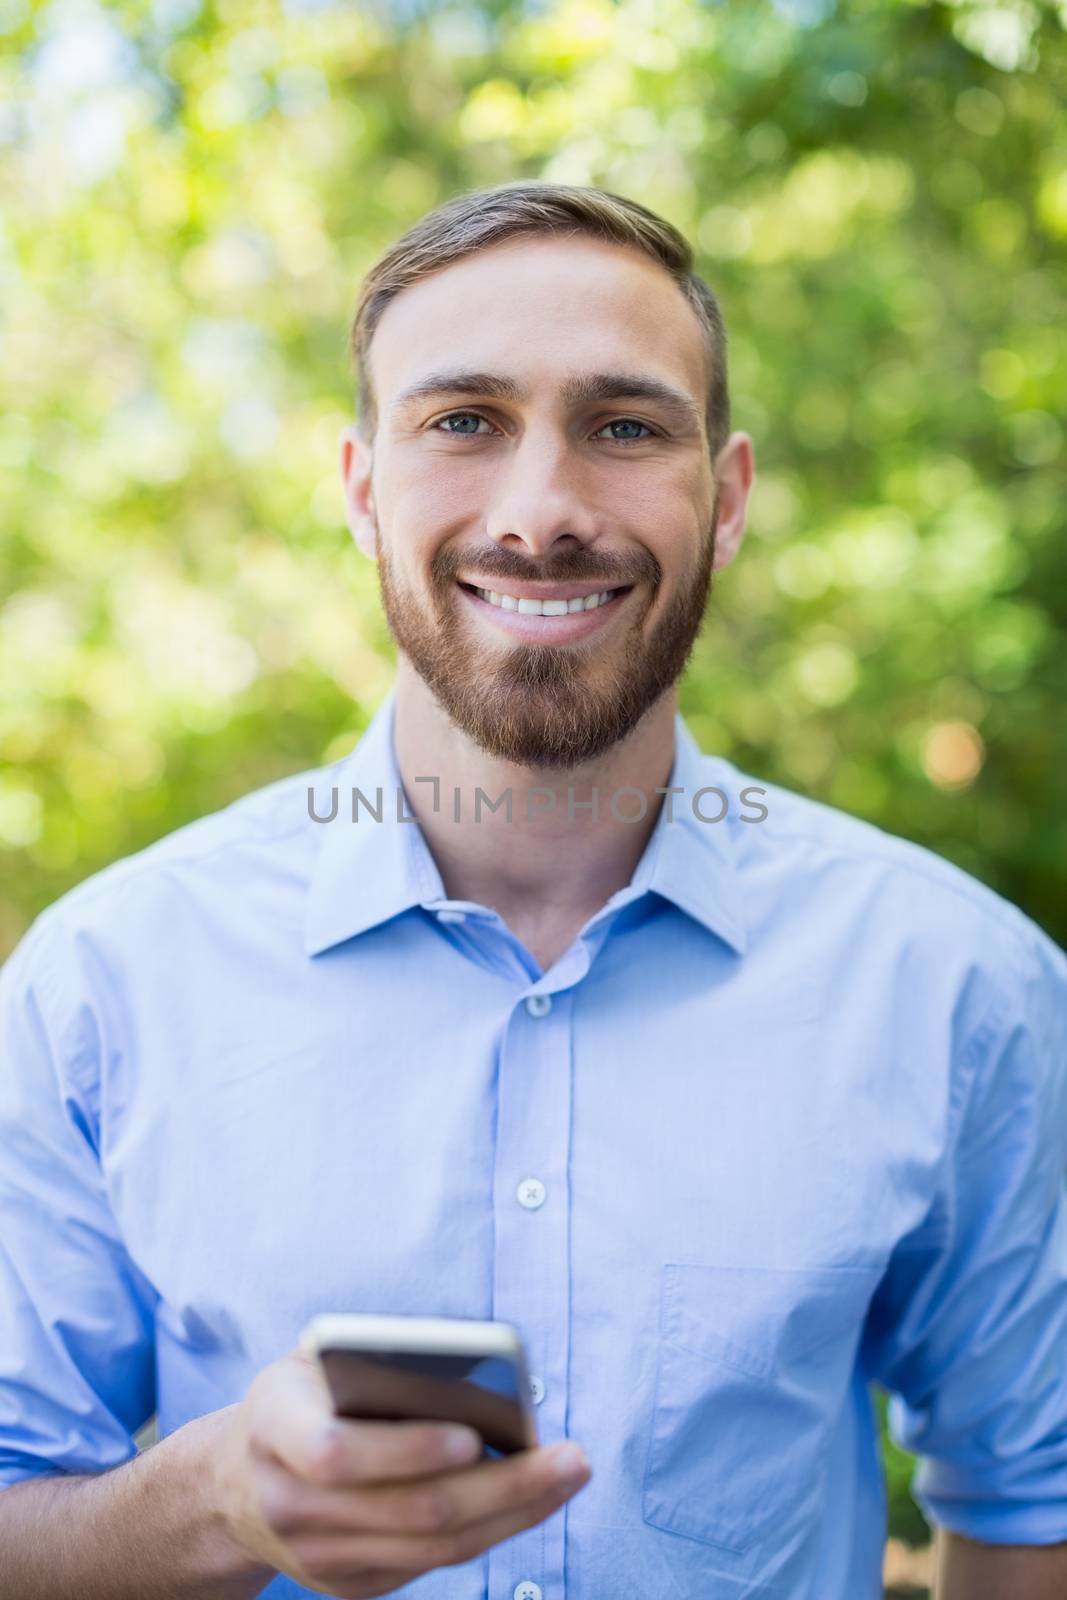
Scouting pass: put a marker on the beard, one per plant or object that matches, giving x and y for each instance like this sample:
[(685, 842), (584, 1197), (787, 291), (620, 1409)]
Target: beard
[(538, 705)]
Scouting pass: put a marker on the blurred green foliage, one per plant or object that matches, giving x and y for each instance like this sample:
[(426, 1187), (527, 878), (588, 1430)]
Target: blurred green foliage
[(189, 195), (906, 1521)]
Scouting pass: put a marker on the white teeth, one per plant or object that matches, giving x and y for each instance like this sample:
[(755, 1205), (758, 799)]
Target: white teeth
[(544, 608)]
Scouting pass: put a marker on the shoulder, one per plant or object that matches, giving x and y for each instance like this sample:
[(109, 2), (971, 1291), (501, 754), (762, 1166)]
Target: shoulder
[(255, 845), (848, 874)]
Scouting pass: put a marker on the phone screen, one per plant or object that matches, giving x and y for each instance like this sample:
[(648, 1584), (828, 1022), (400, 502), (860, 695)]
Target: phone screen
[(404, 1386)]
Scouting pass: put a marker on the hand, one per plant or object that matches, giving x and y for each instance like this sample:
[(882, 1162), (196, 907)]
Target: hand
[(357, 1509)]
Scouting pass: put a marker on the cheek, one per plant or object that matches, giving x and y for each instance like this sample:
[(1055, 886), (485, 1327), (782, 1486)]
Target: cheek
[(429, 475), (431, 508), (669, 511), (673, 534)]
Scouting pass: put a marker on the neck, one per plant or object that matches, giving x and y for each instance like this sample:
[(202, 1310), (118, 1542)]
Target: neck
[(543, 866)]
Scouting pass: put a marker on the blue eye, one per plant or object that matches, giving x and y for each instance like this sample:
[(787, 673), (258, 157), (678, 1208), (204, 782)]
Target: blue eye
[(471, 415), (476, 417), (627, 422)]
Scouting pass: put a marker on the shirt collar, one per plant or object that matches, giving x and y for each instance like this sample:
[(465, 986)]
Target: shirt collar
[(366, 872)]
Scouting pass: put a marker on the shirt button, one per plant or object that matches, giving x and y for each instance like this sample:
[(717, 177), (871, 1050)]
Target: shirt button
[(537, 1391), (451, 916), (539, 1005), (531, 1193), (526, 1591)]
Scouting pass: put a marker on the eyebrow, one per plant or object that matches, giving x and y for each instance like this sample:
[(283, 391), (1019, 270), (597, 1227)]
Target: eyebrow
[(579, 389)]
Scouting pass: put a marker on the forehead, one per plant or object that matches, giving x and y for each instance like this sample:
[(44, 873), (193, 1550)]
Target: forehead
[(541, 306)]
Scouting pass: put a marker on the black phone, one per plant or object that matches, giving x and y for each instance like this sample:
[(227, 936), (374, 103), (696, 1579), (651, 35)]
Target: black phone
[(427, 1369)]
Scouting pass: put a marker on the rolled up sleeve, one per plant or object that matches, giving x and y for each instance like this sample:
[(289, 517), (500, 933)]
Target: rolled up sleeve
[(77, 1368), (974, 1352)]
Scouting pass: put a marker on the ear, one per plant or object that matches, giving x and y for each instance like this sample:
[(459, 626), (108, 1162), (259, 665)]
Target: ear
[(734, 472), (357, 464)]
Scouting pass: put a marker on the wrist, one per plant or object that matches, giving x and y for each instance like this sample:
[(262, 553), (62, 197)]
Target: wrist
[(204, 1452)]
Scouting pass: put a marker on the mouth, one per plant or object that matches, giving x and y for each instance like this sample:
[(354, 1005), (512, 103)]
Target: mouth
[(572, 613)]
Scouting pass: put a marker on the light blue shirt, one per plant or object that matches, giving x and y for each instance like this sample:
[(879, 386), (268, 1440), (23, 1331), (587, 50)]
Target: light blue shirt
[(787, 1118)]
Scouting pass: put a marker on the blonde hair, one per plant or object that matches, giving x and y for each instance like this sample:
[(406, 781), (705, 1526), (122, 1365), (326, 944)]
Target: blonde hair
[(480, 218)]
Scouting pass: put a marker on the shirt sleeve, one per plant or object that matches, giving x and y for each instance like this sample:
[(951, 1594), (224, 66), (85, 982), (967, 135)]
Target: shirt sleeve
[(974, 1312), (77, 1363)]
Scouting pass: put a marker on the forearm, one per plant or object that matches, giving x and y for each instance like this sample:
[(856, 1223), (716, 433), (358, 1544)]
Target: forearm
[(968, 1570), (148, 1530)]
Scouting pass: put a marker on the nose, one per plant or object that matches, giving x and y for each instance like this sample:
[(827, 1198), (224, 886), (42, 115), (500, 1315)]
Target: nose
[(538, 501)]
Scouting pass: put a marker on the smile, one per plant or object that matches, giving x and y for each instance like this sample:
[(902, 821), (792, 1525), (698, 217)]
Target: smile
[(554, 621), (546, 608)]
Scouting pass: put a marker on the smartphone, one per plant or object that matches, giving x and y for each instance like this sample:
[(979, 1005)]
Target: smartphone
[(427, 1369)]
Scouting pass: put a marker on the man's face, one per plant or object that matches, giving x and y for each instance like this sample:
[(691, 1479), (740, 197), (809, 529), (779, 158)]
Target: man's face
[(471, 490)]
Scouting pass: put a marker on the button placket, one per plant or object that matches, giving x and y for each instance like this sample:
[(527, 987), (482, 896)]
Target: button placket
[(531, 1252)]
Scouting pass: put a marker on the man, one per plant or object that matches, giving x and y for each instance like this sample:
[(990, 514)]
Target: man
[(733, 1104)]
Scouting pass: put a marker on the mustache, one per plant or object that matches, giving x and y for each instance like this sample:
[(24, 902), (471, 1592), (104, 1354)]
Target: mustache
[(575, 565), (567, 566)]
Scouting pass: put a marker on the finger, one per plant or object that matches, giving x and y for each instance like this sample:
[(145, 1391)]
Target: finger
[(335, 1559), (293, 1421), (455, 1500), (362, 1583), (440, 1503), (340, 1452), (372, 1581)]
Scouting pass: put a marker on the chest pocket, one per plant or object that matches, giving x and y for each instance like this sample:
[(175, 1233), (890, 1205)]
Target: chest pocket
[(754, 1365)]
